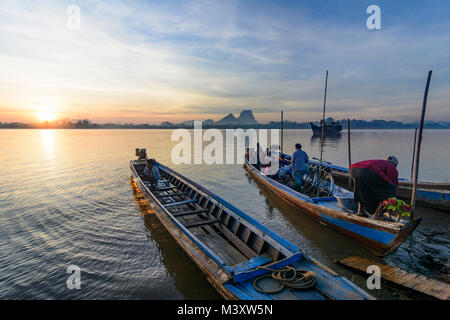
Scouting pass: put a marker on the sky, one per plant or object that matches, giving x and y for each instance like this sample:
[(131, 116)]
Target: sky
[(153, 61)]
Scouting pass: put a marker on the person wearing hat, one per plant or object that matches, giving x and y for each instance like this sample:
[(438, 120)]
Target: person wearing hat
[(151, 173), (374, 181)]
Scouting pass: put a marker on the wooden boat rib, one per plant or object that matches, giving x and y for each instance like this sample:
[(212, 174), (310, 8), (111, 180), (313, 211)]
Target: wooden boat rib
[(231, 248), (430, 194), (381, 237)]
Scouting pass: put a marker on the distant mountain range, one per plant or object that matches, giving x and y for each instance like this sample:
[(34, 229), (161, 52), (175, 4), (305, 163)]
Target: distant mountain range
[(245, 119)]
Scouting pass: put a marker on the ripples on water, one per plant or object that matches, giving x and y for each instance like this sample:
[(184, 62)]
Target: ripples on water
[(66, 198)]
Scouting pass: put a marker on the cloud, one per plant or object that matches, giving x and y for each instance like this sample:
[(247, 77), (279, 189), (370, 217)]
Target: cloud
[(172, 58)]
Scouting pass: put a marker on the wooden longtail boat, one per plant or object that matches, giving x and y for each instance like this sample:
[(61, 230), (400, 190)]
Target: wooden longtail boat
[(381, 237), (231, 248), (430, 194)]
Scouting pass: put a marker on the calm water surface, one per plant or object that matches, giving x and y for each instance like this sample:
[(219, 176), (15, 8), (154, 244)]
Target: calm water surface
[(66, 198)]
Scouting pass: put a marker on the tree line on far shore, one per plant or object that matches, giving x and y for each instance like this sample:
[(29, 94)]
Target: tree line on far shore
[(86, 124)]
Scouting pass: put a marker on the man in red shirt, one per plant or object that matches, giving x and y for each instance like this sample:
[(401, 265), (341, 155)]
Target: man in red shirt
[(374, 181)]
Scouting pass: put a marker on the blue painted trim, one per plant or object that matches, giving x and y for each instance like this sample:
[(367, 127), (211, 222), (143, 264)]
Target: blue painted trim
[(432, 195), (320, 199), (246, 275), (252, 263), (357, 289), (329, 165), (375, 235)]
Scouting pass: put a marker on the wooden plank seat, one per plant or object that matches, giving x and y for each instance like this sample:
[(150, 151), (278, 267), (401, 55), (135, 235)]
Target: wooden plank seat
[(165, 189), (171, 195), (210, 233), (218, 231), (187, 213), (202, 223), (179, 203)]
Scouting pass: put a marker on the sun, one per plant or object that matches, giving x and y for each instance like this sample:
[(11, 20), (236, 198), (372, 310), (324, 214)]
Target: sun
[(46, 114)]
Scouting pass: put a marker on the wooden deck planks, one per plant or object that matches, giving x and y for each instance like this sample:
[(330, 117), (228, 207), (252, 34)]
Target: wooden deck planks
[(210, 238), (225, 250), (205, 233), (416, 284)]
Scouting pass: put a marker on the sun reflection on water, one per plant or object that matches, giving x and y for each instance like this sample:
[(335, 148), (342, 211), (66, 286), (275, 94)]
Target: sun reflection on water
[(48, 137)]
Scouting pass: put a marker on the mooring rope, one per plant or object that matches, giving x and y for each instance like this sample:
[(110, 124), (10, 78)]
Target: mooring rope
[(287, 277)]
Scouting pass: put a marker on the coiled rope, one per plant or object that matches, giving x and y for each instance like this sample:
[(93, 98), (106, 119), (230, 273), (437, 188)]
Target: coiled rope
[(287, 277)]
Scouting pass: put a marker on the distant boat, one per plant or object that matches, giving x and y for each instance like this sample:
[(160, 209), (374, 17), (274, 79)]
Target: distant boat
[(332, 128), (237, 253)]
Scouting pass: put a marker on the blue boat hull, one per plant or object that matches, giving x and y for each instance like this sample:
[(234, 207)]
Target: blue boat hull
[(380, 237)]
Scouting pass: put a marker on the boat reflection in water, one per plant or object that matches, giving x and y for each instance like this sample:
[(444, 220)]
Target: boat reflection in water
[(184, 272), (330, 140)]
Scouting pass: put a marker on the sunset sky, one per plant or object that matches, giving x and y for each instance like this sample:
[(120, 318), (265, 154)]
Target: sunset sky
[(154, 61)]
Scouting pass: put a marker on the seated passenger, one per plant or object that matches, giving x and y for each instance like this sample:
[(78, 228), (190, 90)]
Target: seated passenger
[(283, 162), (151, 173), (284, 172), (290, 182)]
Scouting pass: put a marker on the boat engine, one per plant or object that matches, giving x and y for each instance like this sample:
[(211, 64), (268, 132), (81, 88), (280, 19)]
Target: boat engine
[(141, 154)]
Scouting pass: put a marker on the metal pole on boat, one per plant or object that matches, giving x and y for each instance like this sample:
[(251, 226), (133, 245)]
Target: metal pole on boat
[(282, 132), (322, 136), (349, 152), (414, 153), (419, 142)]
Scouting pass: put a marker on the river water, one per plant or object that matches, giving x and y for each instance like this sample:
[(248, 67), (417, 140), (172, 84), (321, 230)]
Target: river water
[(66, 198)]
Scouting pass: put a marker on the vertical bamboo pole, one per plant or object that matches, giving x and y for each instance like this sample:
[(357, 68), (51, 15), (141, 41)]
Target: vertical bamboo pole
[(419, 142), (349, 152), (414, 153), (282, 132), (322, 136)]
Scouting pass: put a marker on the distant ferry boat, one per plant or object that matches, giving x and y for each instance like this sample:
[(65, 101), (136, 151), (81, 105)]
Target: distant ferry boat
[(332, 128)]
